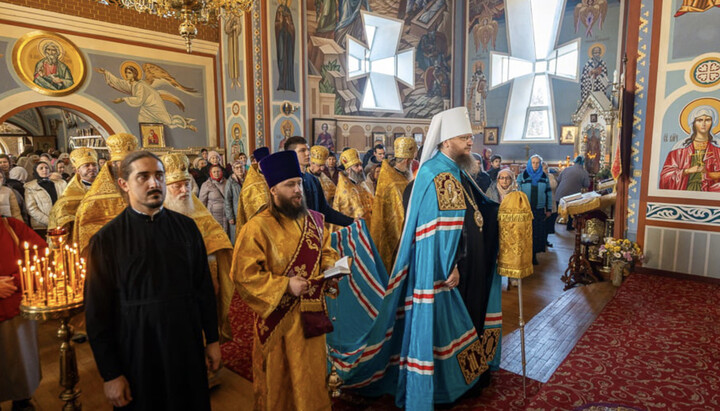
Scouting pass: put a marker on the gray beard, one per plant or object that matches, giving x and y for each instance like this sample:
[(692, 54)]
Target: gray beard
[(356, 177), (185, 207)]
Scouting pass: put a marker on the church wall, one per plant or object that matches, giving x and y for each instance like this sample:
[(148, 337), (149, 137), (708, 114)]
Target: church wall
[(429, 31), (235, 68), (565, 93), (678, 71), (108, 46), (285, 25)]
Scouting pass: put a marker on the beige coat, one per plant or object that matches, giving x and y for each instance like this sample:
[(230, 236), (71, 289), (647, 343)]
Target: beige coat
[(8, 204), (39, 204)]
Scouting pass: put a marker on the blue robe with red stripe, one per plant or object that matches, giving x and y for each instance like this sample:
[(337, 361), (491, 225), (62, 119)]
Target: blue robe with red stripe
[(421, 346)]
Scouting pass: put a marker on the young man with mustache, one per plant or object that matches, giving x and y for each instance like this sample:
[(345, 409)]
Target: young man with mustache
[(150, 304)]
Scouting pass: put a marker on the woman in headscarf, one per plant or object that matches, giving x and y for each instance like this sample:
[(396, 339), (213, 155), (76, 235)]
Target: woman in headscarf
[(232, 194), (9, 206), (16, 180), (212, 195), (40, 195), (536, 186), (504, 185), (214, 158), (486, 155), (197, 171)]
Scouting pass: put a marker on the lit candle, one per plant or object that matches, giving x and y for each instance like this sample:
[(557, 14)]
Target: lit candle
[(22, 276), (27, 256)]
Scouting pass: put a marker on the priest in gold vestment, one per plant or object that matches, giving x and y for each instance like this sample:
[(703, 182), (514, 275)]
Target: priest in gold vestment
[(351, 198), (318, 157), (388, 213), (254, 193), (278, 268), (62, 214), (104, 201), (219, 250)]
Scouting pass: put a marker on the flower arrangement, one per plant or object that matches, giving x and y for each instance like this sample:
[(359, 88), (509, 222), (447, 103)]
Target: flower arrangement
[(621, 249)]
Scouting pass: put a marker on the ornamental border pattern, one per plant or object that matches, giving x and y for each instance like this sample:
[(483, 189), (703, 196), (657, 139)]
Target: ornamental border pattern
[(257, 75), (639, 115), (686, 214)]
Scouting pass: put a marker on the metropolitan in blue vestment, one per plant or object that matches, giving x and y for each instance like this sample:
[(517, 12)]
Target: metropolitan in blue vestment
[(437, 331)]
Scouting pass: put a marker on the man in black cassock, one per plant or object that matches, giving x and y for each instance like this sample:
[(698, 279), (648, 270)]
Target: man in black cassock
[(150, 305)]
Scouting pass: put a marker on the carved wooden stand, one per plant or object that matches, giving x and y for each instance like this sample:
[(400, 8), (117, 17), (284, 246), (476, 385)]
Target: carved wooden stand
[(579, 270)]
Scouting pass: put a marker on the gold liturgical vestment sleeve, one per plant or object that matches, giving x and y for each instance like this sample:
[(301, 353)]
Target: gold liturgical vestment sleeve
[(388, 213), (102, 203), (254, 194), (218, 244), (289, 369), (63, 211), (353, 200), (328, 187)]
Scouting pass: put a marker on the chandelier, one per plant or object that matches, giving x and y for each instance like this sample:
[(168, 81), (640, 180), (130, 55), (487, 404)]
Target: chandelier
[(191, 12)]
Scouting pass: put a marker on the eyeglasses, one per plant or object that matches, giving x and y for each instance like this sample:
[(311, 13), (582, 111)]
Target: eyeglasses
[(504, 178)]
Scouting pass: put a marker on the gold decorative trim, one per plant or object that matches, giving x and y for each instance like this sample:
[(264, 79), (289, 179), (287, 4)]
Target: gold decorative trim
[(449, 192)]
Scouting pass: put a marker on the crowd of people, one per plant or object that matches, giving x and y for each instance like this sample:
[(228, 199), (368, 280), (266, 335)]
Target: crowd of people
[(171, 244)]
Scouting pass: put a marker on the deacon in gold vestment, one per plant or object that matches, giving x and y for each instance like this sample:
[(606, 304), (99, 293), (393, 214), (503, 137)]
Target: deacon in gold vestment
[(104, 201), (180, 199), (388, 213), (318, 157), (62, 215), (278, 269), (254, 193), (351, 198)]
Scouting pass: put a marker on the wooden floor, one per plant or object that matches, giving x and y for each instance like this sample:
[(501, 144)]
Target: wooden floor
[(550, 334)]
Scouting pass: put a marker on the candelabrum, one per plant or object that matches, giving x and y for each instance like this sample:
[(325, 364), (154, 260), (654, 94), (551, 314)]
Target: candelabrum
[(52, 284)]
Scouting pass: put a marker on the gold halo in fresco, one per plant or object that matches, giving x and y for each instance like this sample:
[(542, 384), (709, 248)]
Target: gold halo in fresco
[(126, 64), (600, 45), (706, 101), (48, 63)]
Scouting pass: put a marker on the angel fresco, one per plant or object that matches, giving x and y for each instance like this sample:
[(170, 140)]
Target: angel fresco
[(144, 93), (588, 12), (484, 30)]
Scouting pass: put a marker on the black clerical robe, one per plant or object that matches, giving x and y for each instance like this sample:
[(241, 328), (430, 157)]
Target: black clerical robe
[(149, 303), (476, 254)]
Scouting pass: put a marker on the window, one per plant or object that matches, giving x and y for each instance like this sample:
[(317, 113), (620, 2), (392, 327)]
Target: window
[(532, 30), (381, 63)]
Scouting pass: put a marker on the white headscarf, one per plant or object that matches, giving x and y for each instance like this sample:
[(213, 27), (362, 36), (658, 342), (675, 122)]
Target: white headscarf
[(444, 126), (703, 111)]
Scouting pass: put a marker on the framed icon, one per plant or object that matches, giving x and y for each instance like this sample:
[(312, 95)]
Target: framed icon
[(325, 133), (491, 136), (153, 134), (568, 134), (48, 63)]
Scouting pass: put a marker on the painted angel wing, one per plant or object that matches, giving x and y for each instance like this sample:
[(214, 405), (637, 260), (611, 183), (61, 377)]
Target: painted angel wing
[(157, 76), (495, 28), (172, 98), (602, 5), (578, 11)]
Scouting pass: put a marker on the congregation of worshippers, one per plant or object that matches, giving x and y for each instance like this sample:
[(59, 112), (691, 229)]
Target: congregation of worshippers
[(180, 252)]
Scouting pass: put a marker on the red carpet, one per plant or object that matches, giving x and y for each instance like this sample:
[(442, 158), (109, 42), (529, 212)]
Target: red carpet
[(503, 393), (237, 354), (655, 346)]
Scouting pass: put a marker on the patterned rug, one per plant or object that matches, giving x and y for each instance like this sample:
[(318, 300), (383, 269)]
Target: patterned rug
[(237, 353), (505, 392), (655, 346)]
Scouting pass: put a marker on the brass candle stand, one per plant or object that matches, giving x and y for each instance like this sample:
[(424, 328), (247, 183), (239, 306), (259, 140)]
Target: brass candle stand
[(52, 289)]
